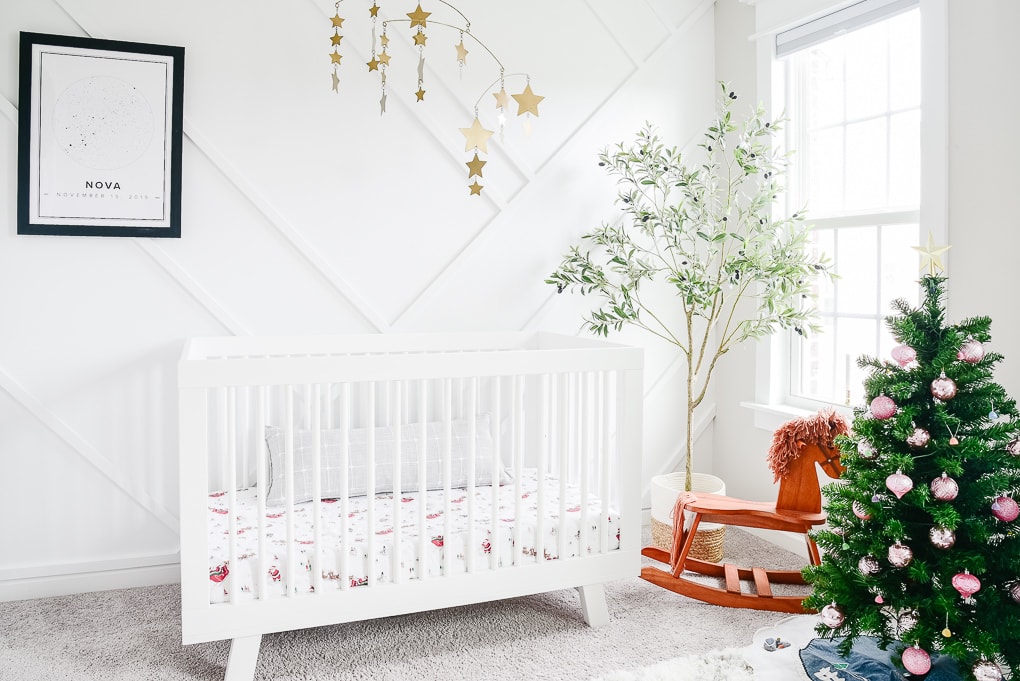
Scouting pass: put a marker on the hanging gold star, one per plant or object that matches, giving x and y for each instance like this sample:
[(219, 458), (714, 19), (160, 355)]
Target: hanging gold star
[(476, 136), (475, 188), (527, 101), (373, 65), (930, 255), (337, 21), (462, 52), (502, 99), (335, 57), (420, 38), (336, 38), (418, 17), (475, 166), (384, 59), (374, 10), (420, 94), (384, 41), (336, 82)]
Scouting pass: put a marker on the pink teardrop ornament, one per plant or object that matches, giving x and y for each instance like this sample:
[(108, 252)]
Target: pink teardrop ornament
[(899, 484), (966, 583)]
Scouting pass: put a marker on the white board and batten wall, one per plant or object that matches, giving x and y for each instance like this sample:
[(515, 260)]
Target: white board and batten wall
[(307, 212)]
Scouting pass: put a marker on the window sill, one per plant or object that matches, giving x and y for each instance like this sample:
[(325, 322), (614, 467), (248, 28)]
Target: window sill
[(771, 416)]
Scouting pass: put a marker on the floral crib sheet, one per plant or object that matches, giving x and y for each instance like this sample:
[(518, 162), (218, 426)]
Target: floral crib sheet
[(446, 552)]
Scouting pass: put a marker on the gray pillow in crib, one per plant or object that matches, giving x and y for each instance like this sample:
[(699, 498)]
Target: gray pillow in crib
[(332, 475)]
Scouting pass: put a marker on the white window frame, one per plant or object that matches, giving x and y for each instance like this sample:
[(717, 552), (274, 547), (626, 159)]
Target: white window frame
[(772, 404)]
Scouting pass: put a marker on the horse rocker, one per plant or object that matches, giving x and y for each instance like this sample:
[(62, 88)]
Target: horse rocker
[(796, 447)]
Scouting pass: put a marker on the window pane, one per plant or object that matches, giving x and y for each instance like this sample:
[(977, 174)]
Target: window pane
[(899, 265), (867, 71), (905, 60), (822, 242), (816, 371), (905, 159), (866, 165), (823, 89), (825, 171), (855, 337), (857, 267)]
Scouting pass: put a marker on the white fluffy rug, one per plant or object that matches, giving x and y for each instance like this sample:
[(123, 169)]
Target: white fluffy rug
[(718, 665), (750, 663)]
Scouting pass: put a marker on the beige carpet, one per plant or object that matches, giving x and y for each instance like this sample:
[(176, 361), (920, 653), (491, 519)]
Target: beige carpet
[(134, 634)]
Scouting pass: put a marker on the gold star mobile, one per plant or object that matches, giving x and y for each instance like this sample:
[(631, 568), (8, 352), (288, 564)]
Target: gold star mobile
[(477, 135), (931, 256)]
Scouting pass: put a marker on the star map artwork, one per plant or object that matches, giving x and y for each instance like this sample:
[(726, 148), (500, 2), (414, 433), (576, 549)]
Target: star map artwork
[(420, 21)]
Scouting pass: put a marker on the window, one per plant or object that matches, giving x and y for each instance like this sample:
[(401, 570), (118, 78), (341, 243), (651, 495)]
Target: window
[(851, 85)]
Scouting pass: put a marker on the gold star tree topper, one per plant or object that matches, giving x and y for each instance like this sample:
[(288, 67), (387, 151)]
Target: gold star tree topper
[(931, 256)]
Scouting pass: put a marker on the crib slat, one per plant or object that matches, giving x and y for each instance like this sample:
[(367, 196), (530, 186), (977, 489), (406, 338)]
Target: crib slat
[(469, 550), (398, 463), (447, 441), (370, 486), (494, 540), (584, 452), (517, 428), (288, 467), (566, 383), (604, 454), (423, 538), (316, 425), (260, 487), (543, 452), (345, 467), (231, 481)]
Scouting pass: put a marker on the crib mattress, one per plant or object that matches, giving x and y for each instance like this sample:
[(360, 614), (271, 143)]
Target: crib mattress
[(346, 559)]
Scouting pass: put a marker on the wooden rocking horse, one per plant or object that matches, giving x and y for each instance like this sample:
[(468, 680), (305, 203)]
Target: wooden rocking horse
[(796, 447)]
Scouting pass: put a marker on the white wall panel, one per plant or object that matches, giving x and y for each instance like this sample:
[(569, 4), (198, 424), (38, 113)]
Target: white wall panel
[(306, 211)]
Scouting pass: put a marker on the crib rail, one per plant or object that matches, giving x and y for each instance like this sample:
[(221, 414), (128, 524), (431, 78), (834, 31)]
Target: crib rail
[(483, 467)]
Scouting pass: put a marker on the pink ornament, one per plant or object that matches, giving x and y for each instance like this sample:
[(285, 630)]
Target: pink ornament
[(1005, 509), (883, 407), (868, 565), (916, 660), (941, 537), (866, 451), (943, 387), (904, 355), (986, 671), (860, 511), (879, 599), (1014, 447), (1014, 591), (900, 555), (966, 583), (971, 351), (899, 484), (919, 438), (832, 616), (944, 488)]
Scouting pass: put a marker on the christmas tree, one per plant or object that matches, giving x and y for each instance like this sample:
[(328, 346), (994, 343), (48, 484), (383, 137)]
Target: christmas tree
[(922, 549)]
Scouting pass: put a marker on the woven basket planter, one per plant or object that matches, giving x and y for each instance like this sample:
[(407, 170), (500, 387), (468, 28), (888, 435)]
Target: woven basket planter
[(708, 540)]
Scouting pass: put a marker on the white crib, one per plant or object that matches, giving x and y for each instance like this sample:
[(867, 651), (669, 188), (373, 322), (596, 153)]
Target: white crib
[(501, 465)]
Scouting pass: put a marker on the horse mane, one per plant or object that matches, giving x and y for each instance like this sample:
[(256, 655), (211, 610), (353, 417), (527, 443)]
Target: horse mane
[(821, 429)]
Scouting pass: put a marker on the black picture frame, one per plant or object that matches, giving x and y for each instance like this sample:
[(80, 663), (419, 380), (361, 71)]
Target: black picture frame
[(100, 126)]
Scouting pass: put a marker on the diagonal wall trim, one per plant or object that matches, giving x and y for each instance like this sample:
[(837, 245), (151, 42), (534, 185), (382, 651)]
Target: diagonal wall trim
[(8, 109), (680, 30), (133, 489), (276, 220), (473, 243), (196, 290)]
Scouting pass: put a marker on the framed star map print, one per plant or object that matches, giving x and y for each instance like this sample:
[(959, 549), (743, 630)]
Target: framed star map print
[(99, 137)]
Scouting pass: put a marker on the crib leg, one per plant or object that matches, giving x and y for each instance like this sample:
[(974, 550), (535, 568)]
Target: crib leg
[(244, 654), (593, 604)]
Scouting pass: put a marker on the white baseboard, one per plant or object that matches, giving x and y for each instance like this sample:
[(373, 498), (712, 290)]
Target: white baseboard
[(82, 582)]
